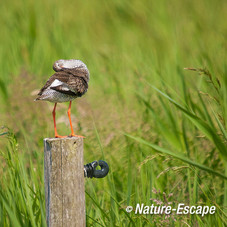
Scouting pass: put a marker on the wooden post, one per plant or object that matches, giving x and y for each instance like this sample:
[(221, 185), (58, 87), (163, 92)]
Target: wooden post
[(64, 182)]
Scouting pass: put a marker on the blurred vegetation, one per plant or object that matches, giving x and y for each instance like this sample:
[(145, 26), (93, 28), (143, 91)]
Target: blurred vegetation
[(161, 128)]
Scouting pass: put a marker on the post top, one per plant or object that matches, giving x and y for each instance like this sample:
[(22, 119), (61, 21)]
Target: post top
[(62, 139)]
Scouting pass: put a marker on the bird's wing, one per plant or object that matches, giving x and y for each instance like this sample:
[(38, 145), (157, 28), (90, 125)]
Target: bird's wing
[(73, 86), (77, 85), (53, 80), (62, 87), (66, 83)]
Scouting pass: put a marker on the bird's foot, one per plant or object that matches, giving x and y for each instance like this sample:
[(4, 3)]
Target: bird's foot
[(73, 135), (58, 136)]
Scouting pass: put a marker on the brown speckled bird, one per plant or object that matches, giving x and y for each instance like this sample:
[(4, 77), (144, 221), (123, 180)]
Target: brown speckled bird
[(69, 82)]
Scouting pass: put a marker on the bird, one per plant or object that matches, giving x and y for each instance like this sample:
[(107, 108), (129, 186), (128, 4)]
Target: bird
[(69, 81)]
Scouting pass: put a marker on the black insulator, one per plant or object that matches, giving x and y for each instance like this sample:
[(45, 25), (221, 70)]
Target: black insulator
[(90, 169)]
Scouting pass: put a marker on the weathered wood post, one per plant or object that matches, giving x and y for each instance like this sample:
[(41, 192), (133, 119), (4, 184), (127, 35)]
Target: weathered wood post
[(64, 182)]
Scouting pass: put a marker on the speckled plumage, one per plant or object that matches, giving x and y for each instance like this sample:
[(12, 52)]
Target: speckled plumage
[(69, 82)]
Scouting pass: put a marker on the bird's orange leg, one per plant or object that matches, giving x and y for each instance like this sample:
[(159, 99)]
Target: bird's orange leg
[(55, 128), (70, 121)]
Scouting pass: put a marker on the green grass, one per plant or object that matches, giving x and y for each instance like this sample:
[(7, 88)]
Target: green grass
[(161, 128)]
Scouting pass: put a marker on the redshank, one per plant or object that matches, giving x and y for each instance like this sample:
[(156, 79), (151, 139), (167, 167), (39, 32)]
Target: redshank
[(69, 82)]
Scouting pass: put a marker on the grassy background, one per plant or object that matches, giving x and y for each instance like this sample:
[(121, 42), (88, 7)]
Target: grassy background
[(161, 128)]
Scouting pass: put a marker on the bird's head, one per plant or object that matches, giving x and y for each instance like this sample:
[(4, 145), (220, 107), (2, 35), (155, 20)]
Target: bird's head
[(72, 65)]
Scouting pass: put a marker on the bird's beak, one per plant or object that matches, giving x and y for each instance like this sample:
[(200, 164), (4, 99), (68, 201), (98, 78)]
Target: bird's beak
[(60, 65)]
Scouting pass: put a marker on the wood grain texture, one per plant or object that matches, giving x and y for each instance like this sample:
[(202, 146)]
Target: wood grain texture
[(64, 182)]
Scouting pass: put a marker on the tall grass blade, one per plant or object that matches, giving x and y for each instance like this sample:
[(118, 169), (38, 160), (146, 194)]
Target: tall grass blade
[(178, 156), (201, 125)]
